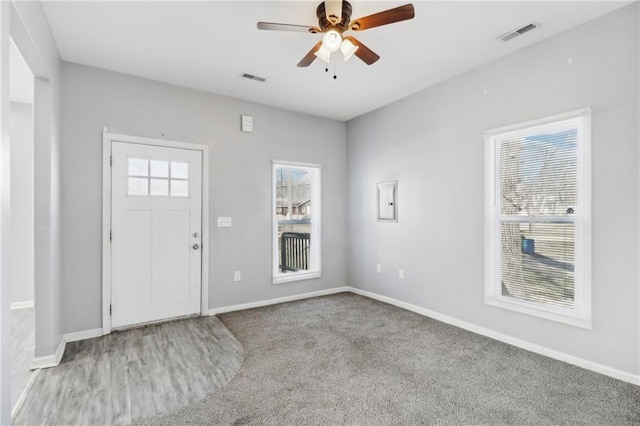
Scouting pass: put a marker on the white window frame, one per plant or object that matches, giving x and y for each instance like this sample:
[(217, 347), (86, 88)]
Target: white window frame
[(580, 315), (315, 270)]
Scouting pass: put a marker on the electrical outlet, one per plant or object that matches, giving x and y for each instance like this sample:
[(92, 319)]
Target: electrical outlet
[(379, 268), (224, 222), (236, 276), (401, 273)]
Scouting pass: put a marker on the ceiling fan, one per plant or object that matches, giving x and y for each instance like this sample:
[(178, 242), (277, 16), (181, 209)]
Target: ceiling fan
[(334, 19)]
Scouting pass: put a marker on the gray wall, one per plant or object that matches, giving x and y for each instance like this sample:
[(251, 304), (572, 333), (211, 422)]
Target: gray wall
[(432, 144), (240, 182), (33, 38), (22, 239), (30, 31)]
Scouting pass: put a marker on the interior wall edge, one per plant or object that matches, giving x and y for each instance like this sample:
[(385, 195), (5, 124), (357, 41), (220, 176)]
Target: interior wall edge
[(48, 361)]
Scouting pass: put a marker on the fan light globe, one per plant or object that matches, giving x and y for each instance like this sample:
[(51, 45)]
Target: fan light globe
[(332, 40), (348, 49), (323, 54)]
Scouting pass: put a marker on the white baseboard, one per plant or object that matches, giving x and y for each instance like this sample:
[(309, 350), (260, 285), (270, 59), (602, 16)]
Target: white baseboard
[(268, 302), (23, 396), (53, 360), (82, 335), (50, 360), (523, 344), (22, 305)]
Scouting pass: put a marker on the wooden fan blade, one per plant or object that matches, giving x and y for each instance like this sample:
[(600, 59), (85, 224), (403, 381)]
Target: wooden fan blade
[(333, 10), (367, 55), (271, 26), (390, 16), (310, 57)]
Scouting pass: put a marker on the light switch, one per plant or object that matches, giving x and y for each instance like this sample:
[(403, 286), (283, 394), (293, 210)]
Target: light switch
[(224, 222)]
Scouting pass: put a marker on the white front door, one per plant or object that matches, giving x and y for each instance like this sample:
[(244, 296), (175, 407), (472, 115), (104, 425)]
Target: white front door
[(156, 215)]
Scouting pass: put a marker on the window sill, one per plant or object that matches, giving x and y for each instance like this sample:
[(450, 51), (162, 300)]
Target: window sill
[(281, 279), (541, 312)]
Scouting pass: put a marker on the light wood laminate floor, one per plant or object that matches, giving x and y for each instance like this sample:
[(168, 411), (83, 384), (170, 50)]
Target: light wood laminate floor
[(22, 348), (134, 374)]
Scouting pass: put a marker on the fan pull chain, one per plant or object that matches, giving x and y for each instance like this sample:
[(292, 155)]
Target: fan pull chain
[(326, 69)]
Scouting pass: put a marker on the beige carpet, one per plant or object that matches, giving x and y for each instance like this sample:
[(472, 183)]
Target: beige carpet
[(346, 359)]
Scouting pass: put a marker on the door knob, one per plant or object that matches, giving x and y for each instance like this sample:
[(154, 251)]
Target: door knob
[(196, 247)]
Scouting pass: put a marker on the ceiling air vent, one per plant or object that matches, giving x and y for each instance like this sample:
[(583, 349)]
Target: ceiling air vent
[(253, 77), (515, 33)]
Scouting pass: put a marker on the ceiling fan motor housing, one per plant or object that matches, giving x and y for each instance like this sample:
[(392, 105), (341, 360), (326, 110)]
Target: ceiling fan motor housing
[(324, 23)]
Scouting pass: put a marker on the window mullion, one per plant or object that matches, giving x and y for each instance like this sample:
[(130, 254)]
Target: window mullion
[(537, 219)]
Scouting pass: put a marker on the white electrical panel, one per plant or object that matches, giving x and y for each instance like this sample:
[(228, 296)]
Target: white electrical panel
[(247, 123)]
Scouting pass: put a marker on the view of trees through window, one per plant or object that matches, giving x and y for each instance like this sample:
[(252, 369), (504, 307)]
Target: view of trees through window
[(539, 198), (293, 213)]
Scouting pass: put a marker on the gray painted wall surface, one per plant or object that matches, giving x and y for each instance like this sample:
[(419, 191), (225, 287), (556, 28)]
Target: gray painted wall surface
[(30, 31), (35, 42), (22, 239), (432, 143), (240, 181)]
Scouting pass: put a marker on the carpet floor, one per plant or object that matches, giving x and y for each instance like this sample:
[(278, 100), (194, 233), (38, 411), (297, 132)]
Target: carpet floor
[(346, 359)]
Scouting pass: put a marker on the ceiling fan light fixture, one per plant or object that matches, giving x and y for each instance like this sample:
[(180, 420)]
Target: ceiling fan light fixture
[(334, 18), (332, 40), (323, 53), (348, 49)]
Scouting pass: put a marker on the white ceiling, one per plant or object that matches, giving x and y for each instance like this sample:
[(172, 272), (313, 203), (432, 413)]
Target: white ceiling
[(20, 77), (208, 45)]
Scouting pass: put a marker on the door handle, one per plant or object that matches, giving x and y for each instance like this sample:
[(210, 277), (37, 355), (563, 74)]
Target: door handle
[(196, 246)]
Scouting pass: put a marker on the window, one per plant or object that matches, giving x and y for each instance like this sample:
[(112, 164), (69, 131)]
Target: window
[(157, 178), (538, 218), (296, 222)]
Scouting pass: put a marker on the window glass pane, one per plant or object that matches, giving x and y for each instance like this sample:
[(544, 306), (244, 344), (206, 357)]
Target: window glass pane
[(179, 188), (293, 213), (293, 247), (138, 167), (159, 187), (539, 174), (293, 194), (138, 186), (538, 262), (159, 168), (179, 170)]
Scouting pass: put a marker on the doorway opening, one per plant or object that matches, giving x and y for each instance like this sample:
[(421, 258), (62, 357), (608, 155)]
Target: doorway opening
[(155, 231), (21, 136)]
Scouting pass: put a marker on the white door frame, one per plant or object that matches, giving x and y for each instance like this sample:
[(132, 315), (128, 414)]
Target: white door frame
[(107, 139)]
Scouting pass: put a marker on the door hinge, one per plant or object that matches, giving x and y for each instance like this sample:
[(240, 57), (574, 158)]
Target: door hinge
[(110, 235), (111, 160), (110, 309)]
